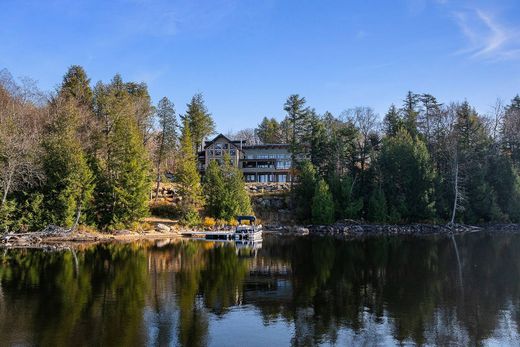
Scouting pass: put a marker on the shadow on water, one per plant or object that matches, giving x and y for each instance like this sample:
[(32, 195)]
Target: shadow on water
[(299, 291)]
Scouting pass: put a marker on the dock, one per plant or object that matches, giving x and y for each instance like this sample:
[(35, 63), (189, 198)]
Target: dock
[(210, 235)]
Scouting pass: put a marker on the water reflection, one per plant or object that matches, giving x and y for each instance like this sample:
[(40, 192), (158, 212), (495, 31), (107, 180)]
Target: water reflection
[(300, 291)]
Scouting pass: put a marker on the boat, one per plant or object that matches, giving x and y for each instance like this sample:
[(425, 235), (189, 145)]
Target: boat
[(249, 231)]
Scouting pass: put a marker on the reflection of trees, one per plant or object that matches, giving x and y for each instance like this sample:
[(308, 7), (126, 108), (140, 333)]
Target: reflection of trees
[(65, 306), (136, 294), (412, 281)]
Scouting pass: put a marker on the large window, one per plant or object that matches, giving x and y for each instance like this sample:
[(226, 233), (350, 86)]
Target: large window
[(263, 178), (282, 178)]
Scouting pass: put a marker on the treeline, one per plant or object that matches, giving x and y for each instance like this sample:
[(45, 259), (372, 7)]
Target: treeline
[(425, 162), (88, 155), (94, 155)]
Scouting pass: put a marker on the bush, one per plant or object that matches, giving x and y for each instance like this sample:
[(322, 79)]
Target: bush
[(209, 222), (164, 209), (191, 218)]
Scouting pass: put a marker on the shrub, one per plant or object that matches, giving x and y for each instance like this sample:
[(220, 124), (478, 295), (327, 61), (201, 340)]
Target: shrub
[(209, 222)]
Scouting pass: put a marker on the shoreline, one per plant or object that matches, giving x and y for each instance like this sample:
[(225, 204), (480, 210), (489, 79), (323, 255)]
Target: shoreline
[(345, 230)]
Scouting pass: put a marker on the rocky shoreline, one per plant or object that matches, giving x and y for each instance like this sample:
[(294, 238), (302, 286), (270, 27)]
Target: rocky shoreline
[(349, 229), (54, 236)]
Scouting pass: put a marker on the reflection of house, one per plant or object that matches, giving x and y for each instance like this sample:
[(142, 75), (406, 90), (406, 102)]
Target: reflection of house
[(259, 163)]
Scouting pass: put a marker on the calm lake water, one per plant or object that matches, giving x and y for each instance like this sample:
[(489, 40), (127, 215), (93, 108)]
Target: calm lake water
[(291, 291)]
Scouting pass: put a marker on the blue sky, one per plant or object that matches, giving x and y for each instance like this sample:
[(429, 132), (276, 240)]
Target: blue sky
[(246, 57)]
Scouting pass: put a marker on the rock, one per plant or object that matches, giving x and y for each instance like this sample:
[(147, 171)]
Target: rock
[(163, 228), (302, 231)]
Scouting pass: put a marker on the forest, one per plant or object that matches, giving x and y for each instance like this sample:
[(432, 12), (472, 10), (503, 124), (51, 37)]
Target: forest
[(93, 155)]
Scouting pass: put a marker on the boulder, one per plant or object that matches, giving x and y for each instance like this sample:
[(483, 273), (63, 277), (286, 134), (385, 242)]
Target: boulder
[(163, 228)]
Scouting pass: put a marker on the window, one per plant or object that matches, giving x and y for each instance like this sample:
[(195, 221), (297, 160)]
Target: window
[(250, 178), (232, 152), (226, 146), (283, 164), (282, 178), (262, 178), (218, 152), (218, 146)]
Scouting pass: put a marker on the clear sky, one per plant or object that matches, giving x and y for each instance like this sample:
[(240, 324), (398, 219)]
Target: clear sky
[(246, 57)]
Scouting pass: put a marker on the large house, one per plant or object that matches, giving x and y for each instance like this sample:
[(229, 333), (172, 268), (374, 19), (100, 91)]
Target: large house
[(260, 163)]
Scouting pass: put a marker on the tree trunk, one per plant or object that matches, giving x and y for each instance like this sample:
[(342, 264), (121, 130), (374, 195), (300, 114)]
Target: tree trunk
[(6, 189), (158, 183)]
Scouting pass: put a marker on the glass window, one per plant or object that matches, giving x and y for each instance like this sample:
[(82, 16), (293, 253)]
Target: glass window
[(226, 146), (232, 152), (218, 146)]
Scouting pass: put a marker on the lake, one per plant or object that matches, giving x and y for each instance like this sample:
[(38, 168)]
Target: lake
[(298, 291)]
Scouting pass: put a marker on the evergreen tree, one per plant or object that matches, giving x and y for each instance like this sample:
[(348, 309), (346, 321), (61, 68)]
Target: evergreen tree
[(76, 86), (296, 116), (510, 131), (69, 184), (377, 208), (346, 204), (214, 189), (199, 120), (269, 131), (121, 163), (392, 121), (322, 204), (304, 191), (166, 138), (473, 145), (410, 113), (188, 178), (225, 191), (236, 200), (407, 177)]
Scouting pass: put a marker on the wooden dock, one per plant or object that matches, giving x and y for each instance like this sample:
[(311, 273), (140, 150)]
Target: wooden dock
[(210, 235)]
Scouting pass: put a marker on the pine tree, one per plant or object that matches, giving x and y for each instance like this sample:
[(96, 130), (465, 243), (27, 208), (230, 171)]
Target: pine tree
[(410, 113), (322, 204), (69, 184), (166, 138), (199, 120), (121, 164), (188, 178), (296, 114)]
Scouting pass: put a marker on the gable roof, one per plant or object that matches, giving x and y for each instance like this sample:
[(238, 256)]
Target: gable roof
[(220, 136)]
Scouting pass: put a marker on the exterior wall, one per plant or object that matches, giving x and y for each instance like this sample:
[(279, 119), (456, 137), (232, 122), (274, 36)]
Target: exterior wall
[(217, 150), (261, 163)]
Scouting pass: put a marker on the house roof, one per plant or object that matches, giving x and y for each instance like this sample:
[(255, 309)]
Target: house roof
[(220, 136)]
